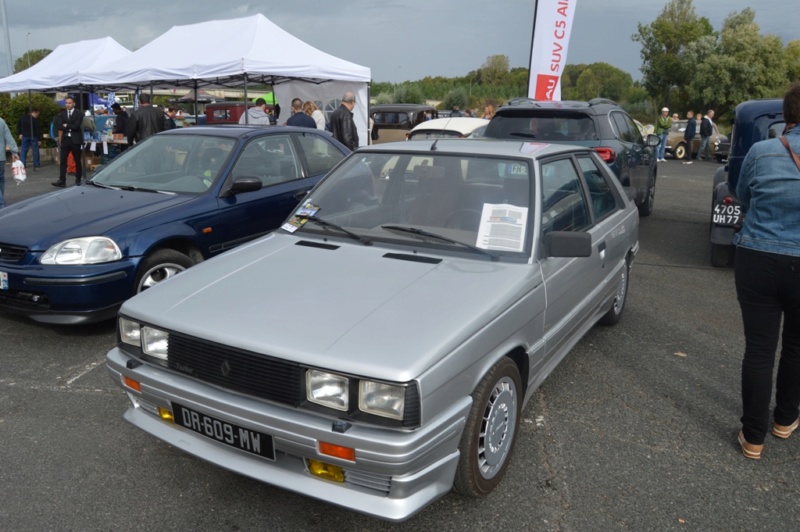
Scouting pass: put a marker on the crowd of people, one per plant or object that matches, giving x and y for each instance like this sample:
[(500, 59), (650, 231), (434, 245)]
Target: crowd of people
[(706, 129)]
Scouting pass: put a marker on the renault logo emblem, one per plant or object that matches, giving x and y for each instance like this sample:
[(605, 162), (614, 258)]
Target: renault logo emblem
[(225, 368)]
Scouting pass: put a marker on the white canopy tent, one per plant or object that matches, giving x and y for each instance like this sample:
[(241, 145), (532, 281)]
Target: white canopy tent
[(235, 53), (62, 69)]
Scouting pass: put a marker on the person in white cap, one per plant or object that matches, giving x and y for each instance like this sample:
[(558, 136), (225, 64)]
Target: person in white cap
[(663, 125)]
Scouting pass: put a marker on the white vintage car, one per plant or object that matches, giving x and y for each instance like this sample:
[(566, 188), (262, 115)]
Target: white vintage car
[(378, 349)]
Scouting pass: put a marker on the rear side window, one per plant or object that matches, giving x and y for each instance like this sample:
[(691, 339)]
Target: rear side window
[(320, 155), (271, 158), (626, 134)]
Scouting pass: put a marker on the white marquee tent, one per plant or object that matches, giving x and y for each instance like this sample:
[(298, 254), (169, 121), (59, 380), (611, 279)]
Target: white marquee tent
[(235, 53), (63, 68)]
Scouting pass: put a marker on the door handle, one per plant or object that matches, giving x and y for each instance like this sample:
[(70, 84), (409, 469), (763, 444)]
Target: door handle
[(601, 248)]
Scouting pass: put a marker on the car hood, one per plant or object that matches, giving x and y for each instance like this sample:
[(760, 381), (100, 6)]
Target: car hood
[(350, 309), (39, 222)]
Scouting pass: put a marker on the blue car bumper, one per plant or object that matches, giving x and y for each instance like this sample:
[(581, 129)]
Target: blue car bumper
[(66, 295)]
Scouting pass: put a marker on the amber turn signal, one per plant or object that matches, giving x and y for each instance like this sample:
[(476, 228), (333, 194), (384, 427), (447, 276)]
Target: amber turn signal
[(130, 383), (345, 453)]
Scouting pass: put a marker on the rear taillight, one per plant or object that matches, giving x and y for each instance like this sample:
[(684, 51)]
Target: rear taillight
[(727, 200), (607, 154)]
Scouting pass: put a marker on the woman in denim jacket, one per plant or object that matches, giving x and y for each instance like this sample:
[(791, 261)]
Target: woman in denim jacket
[(767, 271)]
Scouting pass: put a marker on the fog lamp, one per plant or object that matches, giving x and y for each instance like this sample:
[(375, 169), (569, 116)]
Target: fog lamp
[(166, 415), (326, 471)]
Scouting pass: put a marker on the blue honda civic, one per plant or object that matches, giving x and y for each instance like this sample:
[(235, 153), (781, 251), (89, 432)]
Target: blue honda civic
[(178, 198)]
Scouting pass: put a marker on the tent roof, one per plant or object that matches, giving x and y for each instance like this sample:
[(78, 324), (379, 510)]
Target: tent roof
[(220, 53), (62, 68)]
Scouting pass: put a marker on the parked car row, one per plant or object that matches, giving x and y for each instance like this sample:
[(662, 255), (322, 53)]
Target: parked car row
[(379, 338)]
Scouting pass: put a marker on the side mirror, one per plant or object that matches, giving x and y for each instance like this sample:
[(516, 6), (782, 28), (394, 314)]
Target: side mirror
[(567, 244), (245, 184), (653, 140)]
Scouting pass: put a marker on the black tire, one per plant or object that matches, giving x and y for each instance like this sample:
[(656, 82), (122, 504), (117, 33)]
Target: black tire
[(490, 433), (159, 266), (646, 206), (680, 151), (614, 314), (721, 255)]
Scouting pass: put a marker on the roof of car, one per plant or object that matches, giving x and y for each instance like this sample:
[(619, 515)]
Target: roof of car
[(482, 146), (752, 108), (396, 107), (599, 104), (231, 130), (463, 124)]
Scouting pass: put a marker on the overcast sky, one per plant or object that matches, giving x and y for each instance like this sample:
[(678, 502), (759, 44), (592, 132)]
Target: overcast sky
[(398, 40)]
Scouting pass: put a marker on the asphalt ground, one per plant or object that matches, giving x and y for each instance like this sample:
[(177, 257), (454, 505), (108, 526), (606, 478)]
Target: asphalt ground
[(635, 430)]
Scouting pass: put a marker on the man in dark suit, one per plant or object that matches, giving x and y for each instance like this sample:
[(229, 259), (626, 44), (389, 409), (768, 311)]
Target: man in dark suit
[(70, 120)]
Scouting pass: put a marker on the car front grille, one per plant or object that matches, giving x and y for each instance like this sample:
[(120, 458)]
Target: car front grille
[(9, 253), (236, 369)]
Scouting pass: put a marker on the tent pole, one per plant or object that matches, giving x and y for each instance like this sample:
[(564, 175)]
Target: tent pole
[(196, 116), (30, 115), (246, 116)]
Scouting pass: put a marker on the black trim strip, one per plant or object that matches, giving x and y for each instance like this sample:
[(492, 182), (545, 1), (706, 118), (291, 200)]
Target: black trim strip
[(33, 281)]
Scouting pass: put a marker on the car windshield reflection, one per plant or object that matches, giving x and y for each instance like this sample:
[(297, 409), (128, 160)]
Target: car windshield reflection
[(459, 201), (181, 164)]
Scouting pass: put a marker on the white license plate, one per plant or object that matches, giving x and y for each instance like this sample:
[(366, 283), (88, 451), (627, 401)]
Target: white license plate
[(3, 281), (239, 437), (727, 215)]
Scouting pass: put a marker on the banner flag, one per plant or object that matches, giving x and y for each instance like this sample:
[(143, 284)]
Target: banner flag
[(552, 26)]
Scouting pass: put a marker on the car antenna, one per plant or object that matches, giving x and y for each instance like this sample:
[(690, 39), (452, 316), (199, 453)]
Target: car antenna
[(433, 146)]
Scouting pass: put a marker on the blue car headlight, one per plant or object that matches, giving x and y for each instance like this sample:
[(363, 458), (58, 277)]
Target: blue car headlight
[(86, 250)]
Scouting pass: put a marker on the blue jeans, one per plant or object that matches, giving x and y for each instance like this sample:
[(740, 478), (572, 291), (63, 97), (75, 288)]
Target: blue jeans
[(768, 289), (703, 151), (2, 184), (662, 146), (29, 142)]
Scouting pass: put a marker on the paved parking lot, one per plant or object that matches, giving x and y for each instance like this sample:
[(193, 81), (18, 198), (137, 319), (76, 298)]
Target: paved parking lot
[(634, 430)]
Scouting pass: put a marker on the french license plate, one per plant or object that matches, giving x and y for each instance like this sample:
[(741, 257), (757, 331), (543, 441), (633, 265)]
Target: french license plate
[(227, 433), (727, 215), (3, 281)]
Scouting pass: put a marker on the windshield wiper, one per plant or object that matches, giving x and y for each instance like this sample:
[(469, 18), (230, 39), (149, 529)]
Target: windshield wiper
[(100, 185), (427, 234), (326, 223), (131, 188)]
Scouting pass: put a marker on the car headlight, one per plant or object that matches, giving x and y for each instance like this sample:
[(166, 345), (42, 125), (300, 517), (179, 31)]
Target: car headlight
[(380, 399), (86, 250), (130, 332), (155, 342), (328, 389)]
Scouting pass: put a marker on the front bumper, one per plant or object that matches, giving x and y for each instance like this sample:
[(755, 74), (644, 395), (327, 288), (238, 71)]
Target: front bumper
[(67, 295), (395, 474)]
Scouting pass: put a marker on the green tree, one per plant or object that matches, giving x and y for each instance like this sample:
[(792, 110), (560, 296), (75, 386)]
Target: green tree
[(494, 70), (664, 42), (457, 96), (21, 104), (793, 60), (743, 65), (30, 58), (408, 93)]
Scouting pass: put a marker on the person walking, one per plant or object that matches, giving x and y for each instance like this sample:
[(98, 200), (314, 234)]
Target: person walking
[(299, 118), (706, 130), (663, 125), (30, 133), (767, 276), (342, 125), (688, 135), (145, 121), (256, 115), (71, 128), (7, 142)]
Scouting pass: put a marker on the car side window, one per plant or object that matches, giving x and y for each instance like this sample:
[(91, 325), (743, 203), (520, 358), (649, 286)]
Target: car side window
[(601, 194), (320, 155), (625, 133), (634, 131), (271, 158), (564, 205)]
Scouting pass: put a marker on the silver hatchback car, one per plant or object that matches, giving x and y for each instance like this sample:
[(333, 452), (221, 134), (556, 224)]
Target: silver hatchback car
[(378, 349)]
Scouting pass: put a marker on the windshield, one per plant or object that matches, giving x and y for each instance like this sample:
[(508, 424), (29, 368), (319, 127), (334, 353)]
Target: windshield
[(182, 164), (475, 202)]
